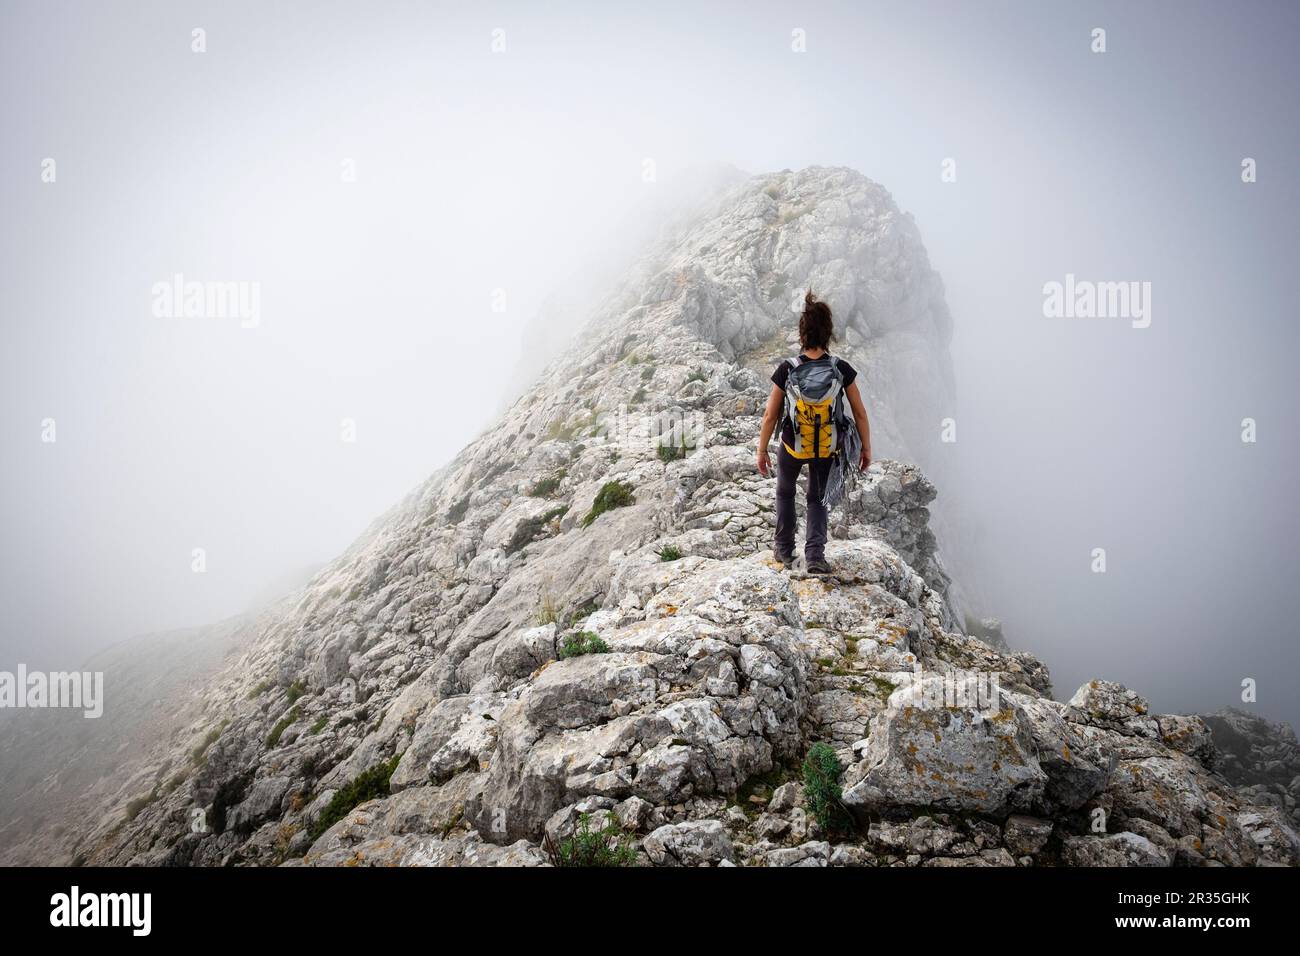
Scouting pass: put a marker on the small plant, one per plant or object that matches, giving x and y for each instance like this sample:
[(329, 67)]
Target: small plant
[(638, 397), (260, 688), (669, 453), (546, 486), (370, 784), (669, 552), (648, 372), (612, 494), (530, 527), (582, 642), (547, 612), (295, 690), (698, 375), (284, 835), (281, 725), (821, 784), (318, 726), (208, 740), (884, 688), (608, 846), (139, 803), (562, 432)]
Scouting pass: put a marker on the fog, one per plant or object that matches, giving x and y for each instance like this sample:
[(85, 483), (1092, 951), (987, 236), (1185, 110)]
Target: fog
[(486, 184)]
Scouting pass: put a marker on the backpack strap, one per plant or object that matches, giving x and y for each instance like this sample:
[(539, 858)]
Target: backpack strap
[(788, 416)]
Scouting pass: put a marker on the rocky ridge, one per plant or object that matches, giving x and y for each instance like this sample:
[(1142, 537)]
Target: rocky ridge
[(419, 705)]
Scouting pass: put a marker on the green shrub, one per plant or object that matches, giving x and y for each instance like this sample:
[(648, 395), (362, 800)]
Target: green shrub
[(582, 642), (529, 528), (295, 690), (669, 453), (368, 785), (260, 688), (648, 372), (638, 397), (319, 725), (608, 846), (612, 494), (546, 486), (273, 737), (821, 784), (669, 552), (699, 375)]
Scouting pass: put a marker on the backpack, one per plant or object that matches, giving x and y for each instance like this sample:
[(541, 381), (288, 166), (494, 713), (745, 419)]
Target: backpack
[(814, 406)]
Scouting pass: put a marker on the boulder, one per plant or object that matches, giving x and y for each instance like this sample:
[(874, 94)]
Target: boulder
[(950, 758), (694, 843)]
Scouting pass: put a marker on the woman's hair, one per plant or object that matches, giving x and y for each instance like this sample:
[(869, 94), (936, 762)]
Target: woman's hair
[(816, 330)]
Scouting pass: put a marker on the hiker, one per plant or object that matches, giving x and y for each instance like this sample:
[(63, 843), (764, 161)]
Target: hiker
[(807, 397)]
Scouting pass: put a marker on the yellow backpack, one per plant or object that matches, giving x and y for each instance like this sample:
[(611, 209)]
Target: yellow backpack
[(814, 406)]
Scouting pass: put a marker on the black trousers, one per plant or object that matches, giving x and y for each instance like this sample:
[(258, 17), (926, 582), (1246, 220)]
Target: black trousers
[(787, 473)]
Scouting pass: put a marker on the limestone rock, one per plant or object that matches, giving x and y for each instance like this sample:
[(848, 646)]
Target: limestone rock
[(689, 844), (951, 758)]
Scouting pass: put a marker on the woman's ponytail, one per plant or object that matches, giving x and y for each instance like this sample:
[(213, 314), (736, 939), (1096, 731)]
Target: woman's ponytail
[(816, 328)]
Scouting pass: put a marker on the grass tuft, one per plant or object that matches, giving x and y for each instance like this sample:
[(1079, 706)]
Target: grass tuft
[(612, 494)]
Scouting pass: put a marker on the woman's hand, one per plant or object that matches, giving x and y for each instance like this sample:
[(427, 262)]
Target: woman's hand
[(864, 460), (764, 463)]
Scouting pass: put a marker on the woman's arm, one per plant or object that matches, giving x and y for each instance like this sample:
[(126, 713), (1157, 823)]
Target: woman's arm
[(860, 419), (771, 415)]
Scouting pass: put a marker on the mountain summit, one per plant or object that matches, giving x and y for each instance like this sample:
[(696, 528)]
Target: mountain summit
[(573, 639)]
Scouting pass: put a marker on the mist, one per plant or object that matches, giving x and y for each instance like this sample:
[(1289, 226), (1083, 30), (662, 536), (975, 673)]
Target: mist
[(423, 216)]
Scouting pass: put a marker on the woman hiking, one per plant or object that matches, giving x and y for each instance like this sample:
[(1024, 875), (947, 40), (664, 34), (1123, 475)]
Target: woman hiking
[(810, 409)]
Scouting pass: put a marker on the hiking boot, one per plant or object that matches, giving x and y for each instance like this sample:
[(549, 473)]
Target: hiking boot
[(818, 566), (786, 560)]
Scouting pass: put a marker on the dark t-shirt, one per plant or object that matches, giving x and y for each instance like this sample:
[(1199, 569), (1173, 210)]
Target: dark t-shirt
[(847, 372)]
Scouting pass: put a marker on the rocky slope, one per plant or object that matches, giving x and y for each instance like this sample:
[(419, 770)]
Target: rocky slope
[(417, 704), (62, 769)]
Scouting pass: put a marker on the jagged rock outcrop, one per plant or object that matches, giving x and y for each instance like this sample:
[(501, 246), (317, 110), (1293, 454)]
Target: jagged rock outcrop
[(574, 624), (1260, 757)]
